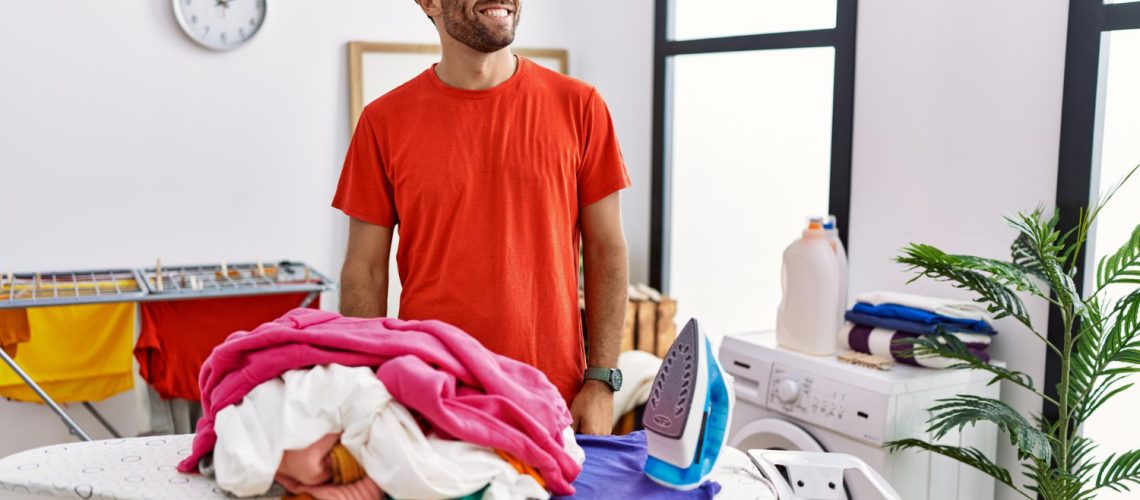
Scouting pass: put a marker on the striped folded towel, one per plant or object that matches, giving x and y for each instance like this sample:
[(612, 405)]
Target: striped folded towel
[(881, 342)]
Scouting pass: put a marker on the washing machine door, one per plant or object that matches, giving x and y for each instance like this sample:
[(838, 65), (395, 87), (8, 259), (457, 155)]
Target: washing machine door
[(777, 434), (774, 434)]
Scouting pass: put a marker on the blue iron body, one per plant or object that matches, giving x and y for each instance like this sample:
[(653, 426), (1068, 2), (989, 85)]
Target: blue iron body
[(687, 416)]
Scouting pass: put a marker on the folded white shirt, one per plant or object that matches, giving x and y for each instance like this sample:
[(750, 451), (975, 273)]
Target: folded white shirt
[(962, 309)]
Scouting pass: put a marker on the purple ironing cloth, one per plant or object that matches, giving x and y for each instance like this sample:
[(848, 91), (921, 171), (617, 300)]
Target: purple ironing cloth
[(614, 468)]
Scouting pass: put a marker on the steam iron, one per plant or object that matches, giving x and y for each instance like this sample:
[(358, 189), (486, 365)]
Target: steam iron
[(687, 416)]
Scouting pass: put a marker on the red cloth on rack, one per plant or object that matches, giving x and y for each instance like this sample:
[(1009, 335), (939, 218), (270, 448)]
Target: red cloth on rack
[(178, 335)]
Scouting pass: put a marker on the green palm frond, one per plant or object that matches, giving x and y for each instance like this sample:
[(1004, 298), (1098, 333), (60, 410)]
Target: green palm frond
[(928, 261), (1023, 251), (1045, 248), (1118, 471), (1122, 267), (1116, 356), (957, 412), (1082, 458), (1086, 361), (948, 346), (1050, 482), (969, 456), (1009, 274)]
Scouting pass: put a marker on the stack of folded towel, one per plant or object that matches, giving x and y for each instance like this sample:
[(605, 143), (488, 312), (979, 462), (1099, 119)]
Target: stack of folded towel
[(880, 319)]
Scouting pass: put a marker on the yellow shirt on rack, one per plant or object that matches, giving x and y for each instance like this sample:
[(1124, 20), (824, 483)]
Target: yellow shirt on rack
[(76, 353)]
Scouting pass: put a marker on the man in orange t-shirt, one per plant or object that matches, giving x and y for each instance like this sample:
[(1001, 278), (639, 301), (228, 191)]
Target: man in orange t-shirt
[(494, 169)]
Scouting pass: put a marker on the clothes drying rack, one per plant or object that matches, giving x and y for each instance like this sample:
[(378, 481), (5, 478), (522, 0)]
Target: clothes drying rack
[(68, 288)]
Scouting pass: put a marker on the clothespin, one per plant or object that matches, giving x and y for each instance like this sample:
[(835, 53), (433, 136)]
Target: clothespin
[(36, 281), (225, 269), (260, 268), (308, 274), (158, 275), (11, 278)]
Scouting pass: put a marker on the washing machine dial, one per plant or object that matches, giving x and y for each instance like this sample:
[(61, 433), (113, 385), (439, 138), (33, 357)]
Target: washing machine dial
[(788, 391)]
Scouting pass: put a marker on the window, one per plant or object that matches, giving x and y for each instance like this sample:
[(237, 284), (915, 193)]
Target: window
[(1100, 121), (720, 18), (752, 134)]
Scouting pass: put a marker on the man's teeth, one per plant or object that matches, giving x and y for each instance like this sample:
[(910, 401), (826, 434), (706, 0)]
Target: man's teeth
[(497, 12)]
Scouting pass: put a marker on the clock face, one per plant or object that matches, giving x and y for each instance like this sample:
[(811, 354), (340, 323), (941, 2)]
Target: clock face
[(220, 24)]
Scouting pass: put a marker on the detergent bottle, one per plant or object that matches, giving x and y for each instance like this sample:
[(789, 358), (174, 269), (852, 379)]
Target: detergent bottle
[(807, 321), (832, 229)]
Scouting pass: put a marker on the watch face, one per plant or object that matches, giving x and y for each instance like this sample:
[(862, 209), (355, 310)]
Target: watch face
[(615, 379), (220, 24)]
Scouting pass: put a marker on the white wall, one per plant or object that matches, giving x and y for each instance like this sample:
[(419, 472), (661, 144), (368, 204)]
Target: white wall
[(612, 48), (957, 122), (121, 141)]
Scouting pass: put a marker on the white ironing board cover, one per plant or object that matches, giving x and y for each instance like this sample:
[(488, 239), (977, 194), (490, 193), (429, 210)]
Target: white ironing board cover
[(143, 469), (134, 468)]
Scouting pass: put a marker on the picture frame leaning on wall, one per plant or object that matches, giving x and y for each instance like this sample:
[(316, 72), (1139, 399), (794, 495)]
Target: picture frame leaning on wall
[(374, 68)]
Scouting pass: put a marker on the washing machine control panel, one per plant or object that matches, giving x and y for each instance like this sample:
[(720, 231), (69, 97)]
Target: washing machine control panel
[(829, 403)]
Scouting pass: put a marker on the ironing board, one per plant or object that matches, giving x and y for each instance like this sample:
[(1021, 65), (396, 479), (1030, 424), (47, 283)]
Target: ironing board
[(143, 469)]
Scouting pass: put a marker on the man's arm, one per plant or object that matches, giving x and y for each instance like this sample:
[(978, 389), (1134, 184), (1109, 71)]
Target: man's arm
[(606, 261), (364, 276)]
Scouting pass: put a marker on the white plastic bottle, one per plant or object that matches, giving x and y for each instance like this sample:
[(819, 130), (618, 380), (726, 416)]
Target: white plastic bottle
[(832, 229), (806, 321)]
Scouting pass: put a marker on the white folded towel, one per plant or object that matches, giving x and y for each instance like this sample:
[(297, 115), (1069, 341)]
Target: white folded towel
[(638, 368), (963, 309)]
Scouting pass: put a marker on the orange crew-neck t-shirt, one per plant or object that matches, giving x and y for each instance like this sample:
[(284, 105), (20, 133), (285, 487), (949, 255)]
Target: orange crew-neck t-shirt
[(485, 189)]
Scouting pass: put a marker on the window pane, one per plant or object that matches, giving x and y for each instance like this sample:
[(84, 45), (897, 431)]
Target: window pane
[(717, 18), (1113, 426), (751, 150)]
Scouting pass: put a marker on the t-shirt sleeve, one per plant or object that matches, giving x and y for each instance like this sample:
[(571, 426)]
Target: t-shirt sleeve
[(602, 172), (365, 191)]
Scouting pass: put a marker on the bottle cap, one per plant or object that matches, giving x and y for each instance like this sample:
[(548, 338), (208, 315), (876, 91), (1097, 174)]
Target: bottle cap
[(829, 222)]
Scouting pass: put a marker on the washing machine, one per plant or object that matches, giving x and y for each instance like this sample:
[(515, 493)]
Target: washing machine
[(791, 401)]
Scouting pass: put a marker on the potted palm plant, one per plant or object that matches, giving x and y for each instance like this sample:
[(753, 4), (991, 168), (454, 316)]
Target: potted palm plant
[(1099, 350)]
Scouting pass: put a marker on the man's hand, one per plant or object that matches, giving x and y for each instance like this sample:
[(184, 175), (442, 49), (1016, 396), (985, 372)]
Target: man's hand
[(593, 409)]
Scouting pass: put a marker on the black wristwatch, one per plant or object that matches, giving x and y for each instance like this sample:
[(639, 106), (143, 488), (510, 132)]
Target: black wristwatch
[(611, 376)]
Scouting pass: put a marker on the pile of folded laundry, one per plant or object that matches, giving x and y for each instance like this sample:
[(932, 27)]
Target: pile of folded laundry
[(407, 409), (880, 320)]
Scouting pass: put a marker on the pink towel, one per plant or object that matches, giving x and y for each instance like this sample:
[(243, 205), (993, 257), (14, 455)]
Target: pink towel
[(465, 391)]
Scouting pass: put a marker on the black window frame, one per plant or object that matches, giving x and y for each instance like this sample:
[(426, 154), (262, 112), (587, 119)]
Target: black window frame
[(1088, 21), (841, 37)]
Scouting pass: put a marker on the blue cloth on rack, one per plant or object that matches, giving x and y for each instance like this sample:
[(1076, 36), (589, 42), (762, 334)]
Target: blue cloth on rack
[(615, 468), (895, 311), (907, 326)]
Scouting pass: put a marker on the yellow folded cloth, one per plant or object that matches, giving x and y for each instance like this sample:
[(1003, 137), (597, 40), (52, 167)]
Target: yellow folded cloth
[(76, 353)]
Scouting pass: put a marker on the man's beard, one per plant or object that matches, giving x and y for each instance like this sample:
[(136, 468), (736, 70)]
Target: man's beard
[(471, 32)]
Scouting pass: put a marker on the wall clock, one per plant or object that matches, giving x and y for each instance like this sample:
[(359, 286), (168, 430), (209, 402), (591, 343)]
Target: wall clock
[(220, 24)]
